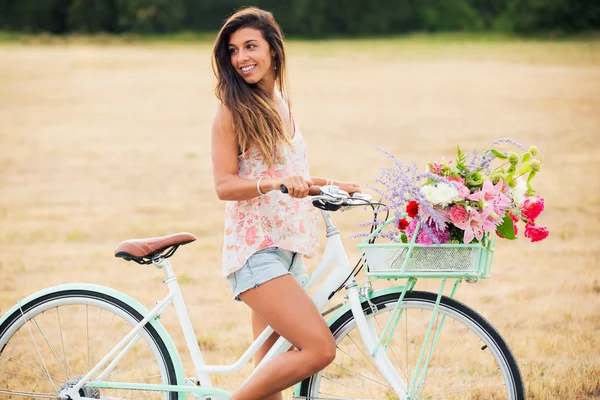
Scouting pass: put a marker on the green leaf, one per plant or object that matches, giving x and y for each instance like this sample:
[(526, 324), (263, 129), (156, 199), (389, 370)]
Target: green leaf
[(530, 177), (507, 228), (526, 157), (403, 238), (499, 155), (461, 160)]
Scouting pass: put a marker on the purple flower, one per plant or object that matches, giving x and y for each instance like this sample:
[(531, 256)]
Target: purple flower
[(508, 140)]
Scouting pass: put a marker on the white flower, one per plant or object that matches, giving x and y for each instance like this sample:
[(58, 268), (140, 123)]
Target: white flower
[(448, 193), (518, 192), (440, 194)]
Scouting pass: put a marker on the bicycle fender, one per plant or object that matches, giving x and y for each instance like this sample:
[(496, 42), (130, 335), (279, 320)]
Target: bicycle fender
[(179, 372)]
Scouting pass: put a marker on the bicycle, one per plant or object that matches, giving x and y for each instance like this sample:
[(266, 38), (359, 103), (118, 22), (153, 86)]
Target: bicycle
[(388, 340)]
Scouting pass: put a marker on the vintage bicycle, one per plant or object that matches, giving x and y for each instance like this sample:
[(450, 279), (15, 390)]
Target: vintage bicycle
[(83, 341)]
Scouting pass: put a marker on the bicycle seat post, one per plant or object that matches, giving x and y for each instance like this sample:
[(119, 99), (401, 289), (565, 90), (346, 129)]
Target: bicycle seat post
[(163, 263)]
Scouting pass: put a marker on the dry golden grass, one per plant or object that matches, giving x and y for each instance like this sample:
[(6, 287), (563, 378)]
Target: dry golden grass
[(101, 144)]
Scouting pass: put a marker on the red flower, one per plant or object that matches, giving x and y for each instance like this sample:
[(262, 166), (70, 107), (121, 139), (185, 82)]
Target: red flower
[(535, 233), (532, 207), (402, 224), (412, 209)]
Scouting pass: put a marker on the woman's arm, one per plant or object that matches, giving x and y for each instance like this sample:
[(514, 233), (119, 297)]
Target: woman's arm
[(349, 187), (228, 185)]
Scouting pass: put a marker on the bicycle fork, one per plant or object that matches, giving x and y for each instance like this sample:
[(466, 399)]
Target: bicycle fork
[(369, 336)]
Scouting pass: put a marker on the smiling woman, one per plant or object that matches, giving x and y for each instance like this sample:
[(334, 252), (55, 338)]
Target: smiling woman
[(256, 148)]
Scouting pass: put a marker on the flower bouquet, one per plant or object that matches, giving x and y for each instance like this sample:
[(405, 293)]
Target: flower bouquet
[(448, 216)]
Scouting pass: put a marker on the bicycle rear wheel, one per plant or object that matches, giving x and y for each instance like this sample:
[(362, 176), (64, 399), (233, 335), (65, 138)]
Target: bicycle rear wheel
[(469, 361), (53, 341)]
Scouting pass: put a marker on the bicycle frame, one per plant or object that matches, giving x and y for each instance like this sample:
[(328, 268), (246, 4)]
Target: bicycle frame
[(334, 255)]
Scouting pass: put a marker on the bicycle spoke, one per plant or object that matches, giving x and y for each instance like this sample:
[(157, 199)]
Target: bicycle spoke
[(366, 377), (40, 355), (127, 368), (63, 342), (473, 366), (87, 332), (368, 358), (392, 350), (51, 347), (341, 384), (18, 363), (31, 395), (354, 359), (27, 376), (111, 340), (466, 390), (26, 365), (102, 337), (446, 355)]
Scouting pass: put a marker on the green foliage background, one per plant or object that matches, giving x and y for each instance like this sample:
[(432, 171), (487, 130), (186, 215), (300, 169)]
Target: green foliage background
[(309, 18)]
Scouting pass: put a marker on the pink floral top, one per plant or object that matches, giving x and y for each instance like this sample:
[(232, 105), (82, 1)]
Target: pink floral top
[(274, 219)]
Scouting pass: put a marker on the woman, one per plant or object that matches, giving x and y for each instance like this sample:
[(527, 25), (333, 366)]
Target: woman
[(256, 148)]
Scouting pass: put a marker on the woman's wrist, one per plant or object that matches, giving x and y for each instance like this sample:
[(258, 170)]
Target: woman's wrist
[(266, 185)]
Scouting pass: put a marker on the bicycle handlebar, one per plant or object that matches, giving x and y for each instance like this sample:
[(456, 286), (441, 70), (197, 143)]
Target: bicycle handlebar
[(312, 191), (332, 198)]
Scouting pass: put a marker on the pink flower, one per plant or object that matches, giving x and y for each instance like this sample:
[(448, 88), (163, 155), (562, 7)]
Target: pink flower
[(458, 179), (476, 225), (458, 214), (442, 236), (532, 207), (463, 191), (492, 197), (535, 233), (436, 168)]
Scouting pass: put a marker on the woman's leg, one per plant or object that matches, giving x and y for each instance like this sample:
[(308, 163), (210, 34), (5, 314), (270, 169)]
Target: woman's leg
[(285, 306), (258, 326)]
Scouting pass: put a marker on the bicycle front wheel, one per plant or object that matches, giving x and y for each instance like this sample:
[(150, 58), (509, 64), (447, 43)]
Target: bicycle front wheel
[(51, 342), (470, 360)]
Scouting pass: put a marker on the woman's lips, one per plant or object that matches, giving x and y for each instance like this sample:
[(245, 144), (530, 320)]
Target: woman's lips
[(247, 70)]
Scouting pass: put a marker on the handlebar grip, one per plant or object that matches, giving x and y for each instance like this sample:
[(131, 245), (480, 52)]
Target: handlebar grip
[(312, 191)]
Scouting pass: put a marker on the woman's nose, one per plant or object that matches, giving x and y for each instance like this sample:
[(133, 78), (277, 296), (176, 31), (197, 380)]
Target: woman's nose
[(242, 56)]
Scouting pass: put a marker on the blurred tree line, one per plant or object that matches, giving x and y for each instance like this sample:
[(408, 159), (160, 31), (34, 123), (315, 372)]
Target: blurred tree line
[(311, 18)]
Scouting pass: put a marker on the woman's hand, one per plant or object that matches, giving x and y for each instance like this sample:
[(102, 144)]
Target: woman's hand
[(349, 187), (296, 185)]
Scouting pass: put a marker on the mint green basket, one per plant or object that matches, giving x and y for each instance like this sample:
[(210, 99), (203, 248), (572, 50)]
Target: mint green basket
[(406, 260)]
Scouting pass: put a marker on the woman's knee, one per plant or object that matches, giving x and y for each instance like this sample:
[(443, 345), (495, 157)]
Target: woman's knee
[(325, 352)]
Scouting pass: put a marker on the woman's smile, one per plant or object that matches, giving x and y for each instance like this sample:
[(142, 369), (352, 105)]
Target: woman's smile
[(247, 69)]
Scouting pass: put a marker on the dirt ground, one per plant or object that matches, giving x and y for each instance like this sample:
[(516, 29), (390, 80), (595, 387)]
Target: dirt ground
[(102, 144)]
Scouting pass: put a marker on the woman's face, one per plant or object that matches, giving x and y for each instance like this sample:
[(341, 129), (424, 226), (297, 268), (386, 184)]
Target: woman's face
[(251, 55)]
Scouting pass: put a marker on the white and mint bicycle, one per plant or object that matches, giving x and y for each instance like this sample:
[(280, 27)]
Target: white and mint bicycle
[(84, 341)]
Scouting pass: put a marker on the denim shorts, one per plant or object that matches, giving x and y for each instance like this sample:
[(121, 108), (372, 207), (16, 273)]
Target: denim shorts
[(265, 265)]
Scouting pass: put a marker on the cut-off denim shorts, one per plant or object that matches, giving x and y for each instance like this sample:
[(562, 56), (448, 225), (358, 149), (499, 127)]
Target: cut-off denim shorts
[(264, 265)]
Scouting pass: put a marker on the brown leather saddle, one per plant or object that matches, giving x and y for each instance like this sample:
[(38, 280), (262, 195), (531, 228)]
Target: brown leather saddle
[(143, 251)]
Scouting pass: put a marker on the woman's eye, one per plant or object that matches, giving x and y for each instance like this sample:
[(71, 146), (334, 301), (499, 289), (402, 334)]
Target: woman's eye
[(251, 46), (232, 50)]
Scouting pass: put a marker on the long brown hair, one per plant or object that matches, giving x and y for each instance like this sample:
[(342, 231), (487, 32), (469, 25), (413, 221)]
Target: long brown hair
[(256, 121)]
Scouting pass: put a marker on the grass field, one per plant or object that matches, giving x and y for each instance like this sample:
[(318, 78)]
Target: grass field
[(102, 143)]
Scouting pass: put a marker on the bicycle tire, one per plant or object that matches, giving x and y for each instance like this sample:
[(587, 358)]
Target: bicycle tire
[(323, 385), (31, 316)]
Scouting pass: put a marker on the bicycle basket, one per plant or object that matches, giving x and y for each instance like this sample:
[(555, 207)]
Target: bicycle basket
[(405, 260)]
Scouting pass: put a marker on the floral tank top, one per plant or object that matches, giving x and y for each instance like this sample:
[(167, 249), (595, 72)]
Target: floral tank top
[(274, 219)]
